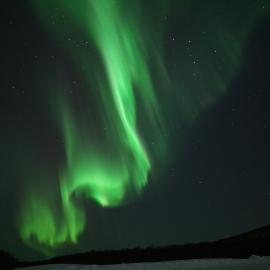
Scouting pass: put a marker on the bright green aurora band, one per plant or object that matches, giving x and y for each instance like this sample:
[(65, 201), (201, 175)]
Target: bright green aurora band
[(110, 162), (121, 164)]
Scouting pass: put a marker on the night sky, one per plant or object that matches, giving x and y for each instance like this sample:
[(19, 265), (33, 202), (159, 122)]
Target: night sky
[(132, 123)]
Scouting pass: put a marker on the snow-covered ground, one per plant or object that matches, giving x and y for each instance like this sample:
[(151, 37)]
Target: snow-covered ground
[(253, 263)]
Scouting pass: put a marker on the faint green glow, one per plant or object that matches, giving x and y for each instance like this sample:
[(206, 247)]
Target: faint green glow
[(210, 51), (112, 167)]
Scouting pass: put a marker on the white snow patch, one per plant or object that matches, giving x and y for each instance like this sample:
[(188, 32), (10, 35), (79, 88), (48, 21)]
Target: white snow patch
[(253, 263)]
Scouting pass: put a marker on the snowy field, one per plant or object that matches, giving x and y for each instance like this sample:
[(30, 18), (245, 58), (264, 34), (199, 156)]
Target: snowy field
[(253, 263)]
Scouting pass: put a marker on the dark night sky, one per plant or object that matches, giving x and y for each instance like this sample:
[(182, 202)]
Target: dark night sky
[(214, 100)]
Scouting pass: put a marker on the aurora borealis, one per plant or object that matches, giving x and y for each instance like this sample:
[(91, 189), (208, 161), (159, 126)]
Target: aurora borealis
[(122, 120), (105, 178)]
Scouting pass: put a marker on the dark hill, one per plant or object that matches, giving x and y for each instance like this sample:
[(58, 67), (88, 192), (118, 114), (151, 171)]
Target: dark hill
[(255, 242)]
